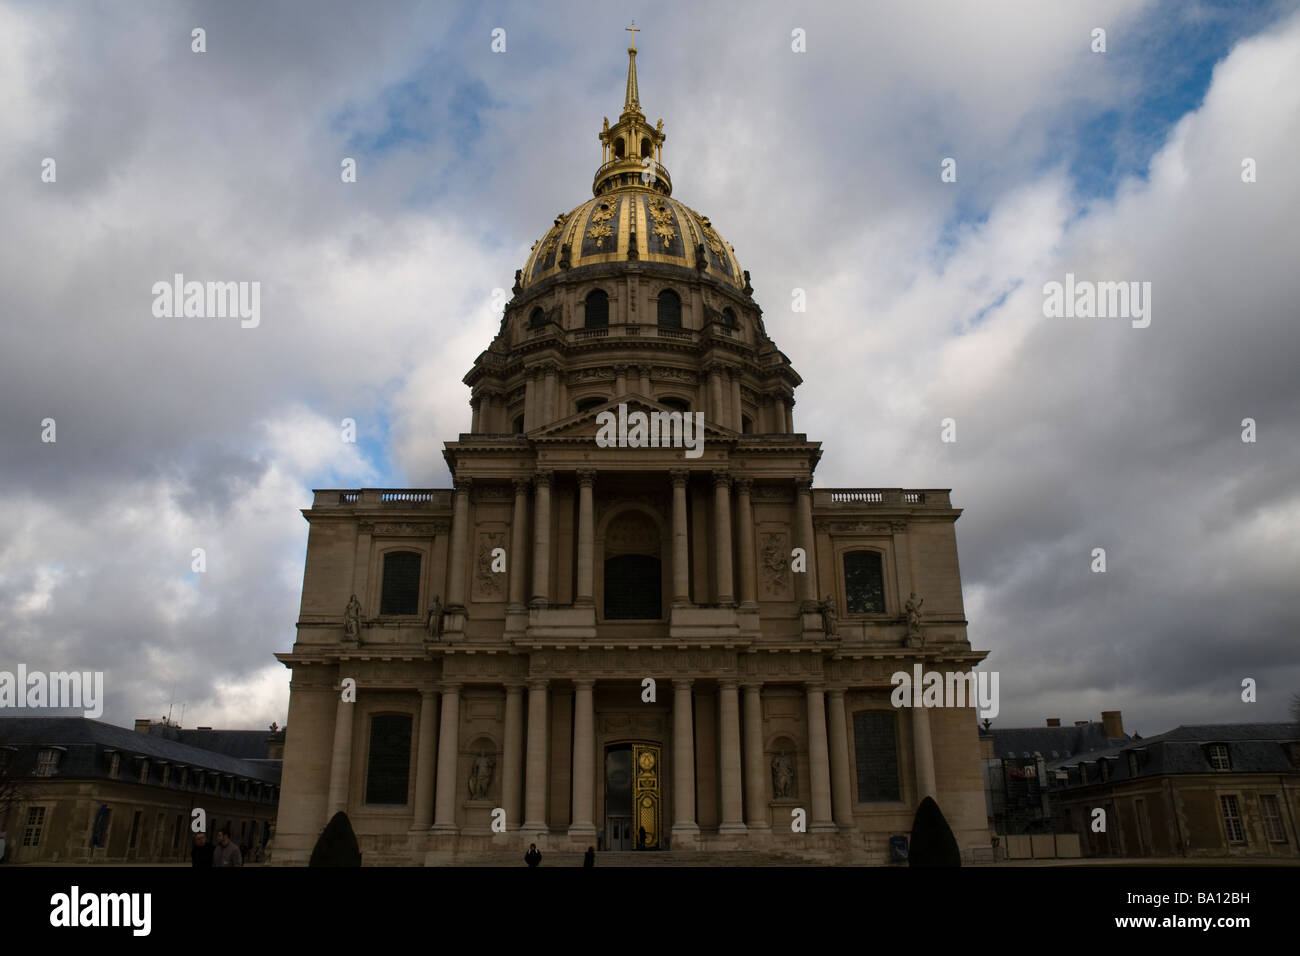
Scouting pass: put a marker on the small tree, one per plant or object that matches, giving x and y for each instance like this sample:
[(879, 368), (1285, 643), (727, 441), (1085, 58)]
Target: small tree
[(932, 841), (337, 845)]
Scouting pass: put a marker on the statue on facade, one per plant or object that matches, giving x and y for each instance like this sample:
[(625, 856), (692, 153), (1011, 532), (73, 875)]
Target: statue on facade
[(913, 608), (782, 776), (480, 775), (830, 618), (434, 622), (352, 620)]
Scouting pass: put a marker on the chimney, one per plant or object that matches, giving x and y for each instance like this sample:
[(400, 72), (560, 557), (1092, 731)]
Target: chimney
[(1112, 722), (1053, 721), (142, 725)]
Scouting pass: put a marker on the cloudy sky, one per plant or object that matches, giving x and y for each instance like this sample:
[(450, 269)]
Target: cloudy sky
[(925, 302)]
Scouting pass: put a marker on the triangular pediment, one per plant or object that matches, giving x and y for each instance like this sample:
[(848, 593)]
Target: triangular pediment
[(582, 426)]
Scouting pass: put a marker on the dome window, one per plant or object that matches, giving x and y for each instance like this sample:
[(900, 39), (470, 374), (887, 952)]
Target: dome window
[(537, 319), (676, 404), (645, 147), (729, 318), (670, 309), (597, 309), (618, 148)]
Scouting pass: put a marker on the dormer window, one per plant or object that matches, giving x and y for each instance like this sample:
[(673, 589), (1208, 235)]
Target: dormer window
[(47, 762), (1218, 754)]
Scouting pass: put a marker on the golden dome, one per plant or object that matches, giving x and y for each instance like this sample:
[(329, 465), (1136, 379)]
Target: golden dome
[(633, 223), (632, 216)]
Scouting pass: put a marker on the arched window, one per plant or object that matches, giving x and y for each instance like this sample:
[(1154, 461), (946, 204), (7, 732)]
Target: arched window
[(537, 319), (729, 318), (864, 583), (518, 426), (597, 309), (676, 404), (388, 767), (670, 309), (589, 403), (633, 586), (645, 147), (401, 588), (618, 148)]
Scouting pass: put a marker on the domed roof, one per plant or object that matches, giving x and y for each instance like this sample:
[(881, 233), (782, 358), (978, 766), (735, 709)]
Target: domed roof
[(604, 228)]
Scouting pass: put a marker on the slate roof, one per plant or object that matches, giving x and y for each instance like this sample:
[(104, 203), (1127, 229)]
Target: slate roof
[(1252, 748), (1019, 743), (87, 745)]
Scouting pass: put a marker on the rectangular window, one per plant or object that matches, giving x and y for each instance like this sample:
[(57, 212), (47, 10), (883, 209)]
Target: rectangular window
[(135, 830), (47, 762), (1232, 819), (1219, 757), (35, 823), (875, 741), (1271, 811), (401, 590), (389, 765), (176, 832)]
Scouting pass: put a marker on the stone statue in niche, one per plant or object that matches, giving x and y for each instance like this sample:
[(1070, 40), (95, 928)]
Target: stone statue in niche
[(480, 775), (913, 608), (783, 776), (774, 563), (830, 618), (434, 623), (352, 620)]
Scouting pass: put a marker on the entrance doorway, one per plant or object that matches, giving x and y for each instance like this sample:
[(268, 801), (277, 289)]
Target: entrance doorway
[(633, 797)]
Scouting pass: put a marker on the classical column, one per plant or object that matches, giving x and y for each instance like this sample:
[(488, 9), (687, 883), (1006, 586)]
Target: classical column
[(531, 399), (806, 540), (787, 409), (733, 814), (722, 536), (645, 380), (756, 770), (512, 773), (474, 404), (426, 760), (584, 758), (444, 813), (542, 541), (681, 558), (737, 410), (620, 381), (684, 824), (837, 732), (819, 761), (340, 758), (715, 392), (923, 753), (518, 546), (586, 537), (745, 542), (535, 801), (458, 556)]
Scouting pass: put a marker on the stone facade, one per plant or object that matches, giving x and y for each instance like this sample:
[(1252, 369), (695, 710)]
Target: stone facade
[(582, 640)]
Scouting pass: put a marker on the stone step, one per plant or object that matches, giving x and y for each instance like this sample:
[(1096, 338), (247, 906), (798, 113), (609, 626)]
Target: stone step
[(556, 858)]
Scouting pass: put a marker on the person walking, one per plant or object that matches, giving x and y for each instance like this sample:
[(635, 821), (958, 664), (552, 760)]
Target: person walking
[(534, 856), (589, 858)]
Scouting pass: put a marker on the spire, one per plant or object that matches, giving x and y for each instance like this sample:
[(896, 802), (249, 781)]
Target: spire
[(632, 102)]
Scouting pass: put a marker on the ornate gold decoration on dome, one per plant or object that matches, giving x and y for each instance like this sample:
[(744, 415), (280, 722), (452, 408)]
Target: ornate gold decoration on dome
[(600, 229), (711, 235), (553, 236), (663, 220)]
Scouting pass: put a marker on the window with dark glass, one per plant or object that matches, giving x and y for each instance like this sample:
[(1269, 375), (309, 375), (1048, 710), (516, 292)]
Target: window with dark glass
[(676, 404), (632, 588), (876, 750), (670, 309), (864, 583), (389, 768), (537, 319), (401, 593), (729, 318), (597, 310)]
